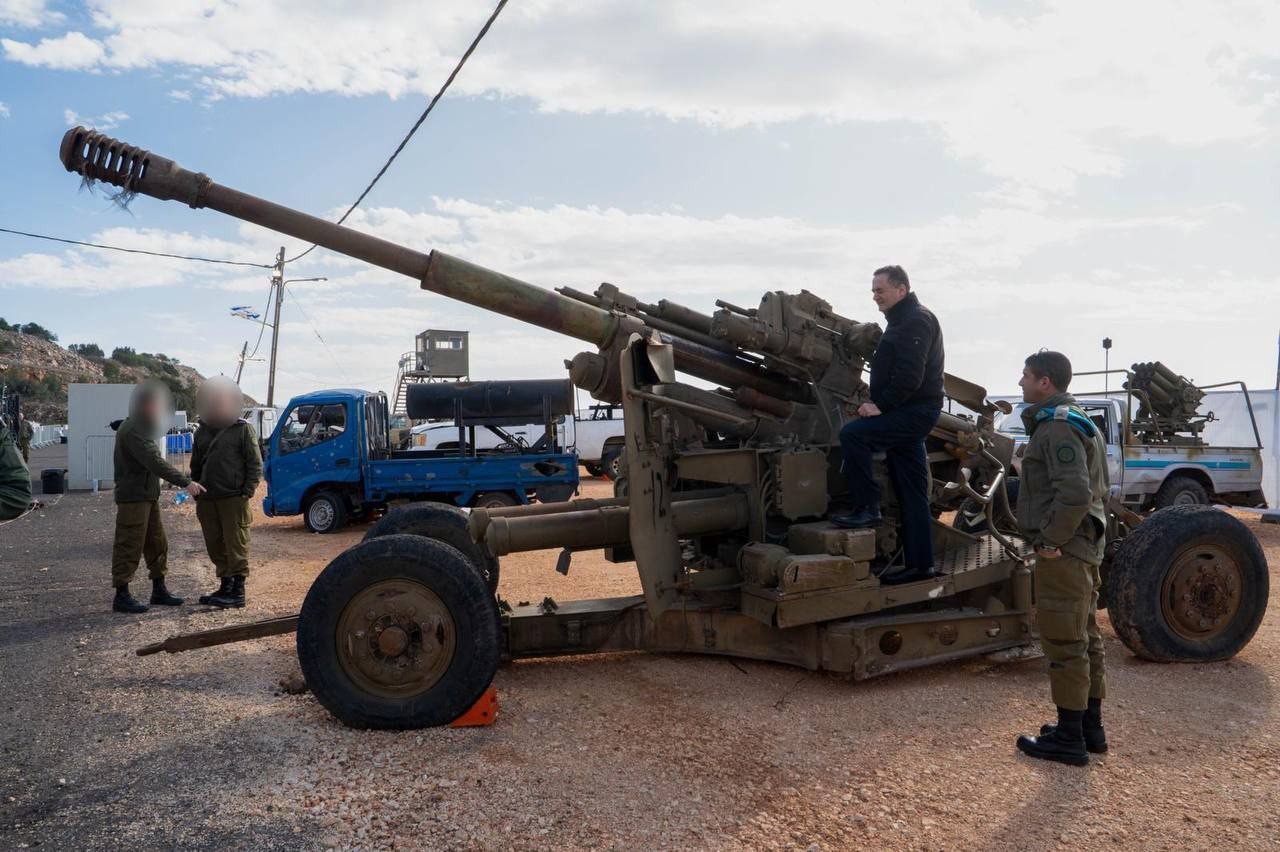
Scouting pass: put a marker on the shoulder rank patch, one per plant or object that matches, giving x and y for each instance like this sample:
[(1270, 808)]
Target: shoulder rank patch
[(1066, 453)]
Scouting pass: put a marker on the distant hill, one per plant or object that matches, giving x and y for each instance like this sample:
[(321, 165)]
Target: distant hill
[(35, 366)]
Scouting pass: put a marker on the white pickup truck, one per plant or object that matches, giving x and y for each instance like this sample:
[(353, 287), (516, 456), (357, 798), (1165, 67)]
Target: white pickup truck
[(1153, 476), (595, 434)]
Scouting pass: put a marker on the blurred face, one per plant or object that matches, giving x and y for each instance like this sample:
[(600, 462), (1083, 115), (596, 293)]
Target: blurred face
[(885, 293), (1035, 389), (220, 402)]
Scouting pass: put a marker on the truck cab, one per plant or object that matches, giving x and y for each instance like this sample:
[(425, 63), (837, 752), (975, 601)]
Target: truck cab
[(1153, 476), (330, 459)]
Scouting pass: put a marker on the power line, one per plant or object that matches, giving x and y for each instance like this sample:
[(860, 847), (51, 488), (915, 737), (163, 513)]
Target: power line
[(135, 251), (405, 141)]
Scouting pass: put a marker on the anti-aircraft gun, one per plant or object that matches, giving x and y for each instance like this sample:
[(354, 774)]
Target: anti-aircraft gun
[(723, 508)]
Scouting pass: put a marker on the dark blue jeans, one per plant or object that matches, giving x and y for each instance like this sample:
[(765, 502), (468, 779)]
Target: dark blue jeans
[(900, 434)]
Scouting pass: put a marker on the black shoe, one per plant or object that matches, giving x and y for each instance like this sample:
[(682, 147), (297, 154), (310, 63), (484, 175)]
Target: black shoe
[(1064, 743), (907, 575), (861, 519), (160, 595), (126, 602), (1095, 737), (233, 598), (224, 587)]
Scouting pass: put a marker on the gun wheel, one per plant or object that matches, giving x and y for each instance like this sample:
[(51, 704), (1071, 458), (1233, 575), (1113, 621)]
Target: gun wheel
[(443, 522), (399, 632), (1189, 584)]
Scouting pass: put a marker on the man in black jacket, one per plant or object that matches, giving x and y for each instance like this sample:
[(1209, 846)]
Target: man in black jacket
[(906, 399)]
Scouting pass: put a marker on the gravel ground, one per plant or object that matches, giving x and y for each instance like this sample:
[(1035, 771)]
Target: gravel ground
[(102, 749)]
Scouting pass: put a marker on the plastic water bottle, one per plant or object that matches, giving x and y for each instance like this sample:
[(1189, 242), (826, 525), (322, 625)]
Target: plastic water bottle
[(181, 497)]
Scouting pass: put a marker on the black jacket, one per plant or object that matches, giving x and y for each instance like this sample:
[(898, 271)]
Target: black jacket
[(906, 368), (226, 461)]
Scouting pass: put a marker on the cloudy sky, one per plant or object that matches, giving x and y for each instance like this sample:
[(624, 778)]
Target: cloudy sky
[(1049, 173)]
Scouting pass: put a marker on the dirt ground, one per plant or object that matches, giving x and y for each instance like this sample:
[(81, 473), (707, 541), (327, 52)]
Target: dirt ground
[(103, 749)]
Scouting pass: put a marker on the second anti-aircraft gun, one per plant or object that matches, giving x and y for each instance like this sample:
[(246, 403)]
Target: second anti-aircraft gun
[(723, 508)]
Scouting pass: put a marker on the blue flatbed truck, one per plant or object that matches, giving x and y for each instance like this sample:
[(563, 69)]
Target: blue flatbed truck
[(329, 459)]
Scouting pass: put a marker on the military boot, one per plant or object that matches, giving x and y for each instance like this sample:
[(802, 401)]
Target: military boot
[(1095, 738), (160, 595), (126, 602), (1064, 742), (224, 588), (233, 598)]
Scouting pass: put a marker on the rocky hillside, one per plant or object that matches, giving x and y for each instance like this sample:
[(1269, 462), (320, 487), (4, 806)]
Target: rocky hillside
[(40, 371)]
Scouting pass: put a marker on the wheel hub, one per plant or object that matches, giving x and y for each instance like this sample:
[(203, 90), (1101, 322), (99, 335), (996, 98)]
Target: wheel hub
[(1201, 592), (396, 638), (321, 514)]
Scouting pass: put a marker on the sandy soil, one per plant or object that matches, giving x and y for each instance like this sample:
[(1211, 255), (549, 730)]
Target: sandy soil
[(102, 749)]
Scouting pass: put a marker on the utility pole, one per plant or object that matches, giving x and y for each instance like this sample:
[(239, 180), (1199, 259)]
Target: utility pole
[(277, 287), (244, 350)]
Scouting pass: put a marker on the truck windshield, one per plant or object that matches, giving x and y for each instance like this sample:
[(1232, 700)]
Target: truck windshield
[(308, 425), (1011, 423)]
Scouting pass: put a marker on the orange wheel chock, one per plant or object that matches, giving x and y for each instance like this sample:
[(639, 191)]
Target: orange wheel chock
[(482, 713)]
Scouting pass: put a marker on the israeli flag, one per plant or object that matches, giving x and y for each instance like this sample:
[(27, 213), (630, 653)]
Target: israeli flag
[(246, 312)]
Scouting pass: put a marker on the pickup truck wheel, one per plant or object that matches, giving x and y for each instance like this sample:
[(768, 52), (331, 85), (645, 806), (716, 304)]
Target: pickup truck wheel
[(444, 523), (1181, 491), (1189, 584), (612, 462), (399, 632), (326, 512)]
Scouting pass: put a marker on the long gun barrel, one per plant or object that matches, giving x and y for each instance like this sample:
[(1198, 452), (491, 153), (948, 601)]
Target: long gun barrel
[(98, 157)]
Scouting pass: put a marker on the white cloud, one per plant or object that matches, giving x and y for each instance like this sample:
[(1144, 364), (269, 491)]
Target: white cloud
[(1039, 98), (4, 110), (180, 94), (106, 121), (71, 51), (985, 275), (27, 13)]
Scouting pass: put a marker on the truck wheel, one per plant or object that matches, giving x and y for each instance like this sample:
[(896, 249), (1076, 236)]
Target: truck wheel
[(1189, 584), (494, 500), (326, 512), (1181, 491), (593, 468), (398, 632), (612, 463), (444, 523)]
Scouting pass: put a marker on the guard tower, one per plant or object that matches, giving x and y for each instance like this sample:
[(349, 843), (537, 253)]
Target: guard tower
[(438, 356)]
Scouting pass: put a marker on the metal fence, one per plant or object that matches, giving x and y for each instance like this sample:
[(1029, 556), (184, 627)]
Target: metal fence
[(46, 435)]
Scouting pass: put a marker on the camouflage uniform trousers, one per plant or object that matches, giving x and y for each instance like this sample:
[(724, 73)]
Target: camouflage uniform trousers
[(25, 446), (139, 535), (225, 523), (1067, 613)]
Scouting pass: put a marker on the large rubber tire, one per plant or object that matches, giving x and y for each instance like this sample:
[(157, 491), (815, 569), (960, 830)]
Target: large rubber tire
[(412, 562), (1180, 490), (594, 468), (325, 512), (1189, 584), (444, 523)]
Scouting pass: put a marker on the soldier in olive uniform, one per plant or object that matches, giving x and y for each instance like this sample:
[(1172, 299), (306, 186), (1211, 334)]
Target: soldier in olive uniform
[(139, 467), (1062, 514), (25, 434), (15, 479), (225, 459)]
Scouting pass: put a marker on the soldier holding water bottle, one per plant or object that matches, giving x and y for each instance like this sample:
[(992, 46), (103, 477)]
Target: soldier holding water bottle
[(139, 467)]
